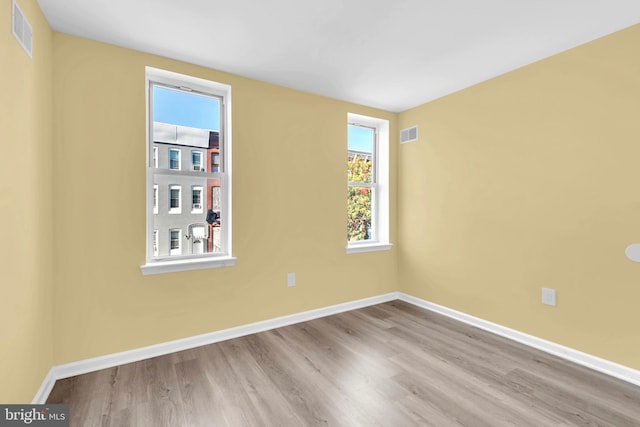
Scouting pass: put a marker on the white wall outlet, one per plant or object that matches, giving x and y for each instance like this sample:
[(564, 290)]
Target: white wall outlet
[(549, 296), (291, 279)]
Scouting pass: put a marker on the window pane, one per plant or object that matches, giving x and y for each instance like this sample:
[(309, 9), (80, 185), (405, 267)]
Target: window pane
[(215, 160), (196, 160), (174, 242), (360, 155), (175, 239), (196, 200), (174, 198), (182, 120), (191, 219), (188, 109), (174, 159), (359, 213)]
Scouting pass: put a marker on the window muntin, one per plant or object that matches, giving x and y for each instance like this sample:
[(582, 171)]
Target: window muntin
[(173, 101)]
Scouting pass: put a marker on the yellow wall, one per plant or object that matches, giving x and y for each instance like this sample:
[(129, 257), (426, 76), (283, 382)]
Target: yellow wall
[(26, 335), (289, 203), (531, 180)]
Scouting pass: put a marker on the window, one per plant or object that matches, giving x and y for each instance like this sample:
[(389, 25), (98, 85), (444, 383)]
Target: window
[(196, 161), (191, 118), (175, 242), (367, 184), (174, 159), (175, 193), (361, 172), (196, 200), (155, 199), (215, 162)]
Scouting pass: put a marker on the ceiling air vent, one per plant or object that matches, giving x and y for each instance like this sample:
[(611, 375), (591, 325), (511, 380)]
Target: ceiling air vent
[(409, 134), (21, 28)]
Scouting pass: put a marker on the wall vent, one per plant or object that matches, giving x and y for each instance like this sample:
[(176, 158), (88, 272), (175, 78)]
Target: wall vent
[(409, 134), (21, 28)]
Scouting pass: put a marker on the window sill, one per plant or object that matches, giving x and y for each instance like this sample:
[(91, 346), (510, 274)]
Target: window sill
[(161, 267), (368, 247)]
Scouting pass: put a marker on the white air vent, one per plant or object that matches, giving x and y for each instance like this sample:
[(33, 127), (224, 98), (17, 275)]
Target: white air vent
[(21, 29), (409, 135)]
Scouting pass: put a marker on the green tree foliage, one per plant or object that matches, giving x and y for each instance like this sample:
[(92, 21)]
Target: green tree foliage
[(358, 199)]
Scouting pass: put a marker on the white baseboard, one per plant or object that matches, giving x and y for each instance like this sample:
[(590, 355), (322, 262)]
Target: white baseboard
[(602, 365), (45, 388), (103, 362)]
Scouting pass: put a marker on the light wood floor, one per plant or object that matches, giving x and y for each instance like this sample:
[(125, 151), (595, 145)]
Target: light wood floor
[(392, 364)]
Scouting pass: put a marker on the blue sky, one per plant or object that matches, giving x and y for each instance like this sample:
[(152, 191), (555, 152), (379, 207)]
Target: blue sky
[(186, 109), (360, 138)]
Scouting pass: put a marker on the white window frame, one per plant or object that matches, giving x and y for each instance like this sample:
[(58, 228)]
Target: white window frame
[(176, 210), (200, 189), (380, 198), (179, 151), (155, 157), (155, 265)]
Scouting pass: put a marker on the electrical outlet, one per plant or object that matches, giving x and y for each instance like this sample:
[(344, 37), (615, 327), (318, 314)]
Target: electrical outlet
[(549, 296), (291, 279)]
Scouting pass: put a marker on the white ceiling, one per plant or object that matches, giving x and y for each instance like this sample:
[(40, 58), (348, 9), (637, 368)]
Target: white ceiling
[(390, 54)]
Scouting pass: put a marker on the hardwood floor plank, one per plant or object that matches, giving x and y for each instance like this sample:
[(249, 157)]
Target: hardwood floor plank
[(393, 364), (561, 399), (306, 363), (266, 399), (344, 374), (475, 400), (162, 387), (304, 397)]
